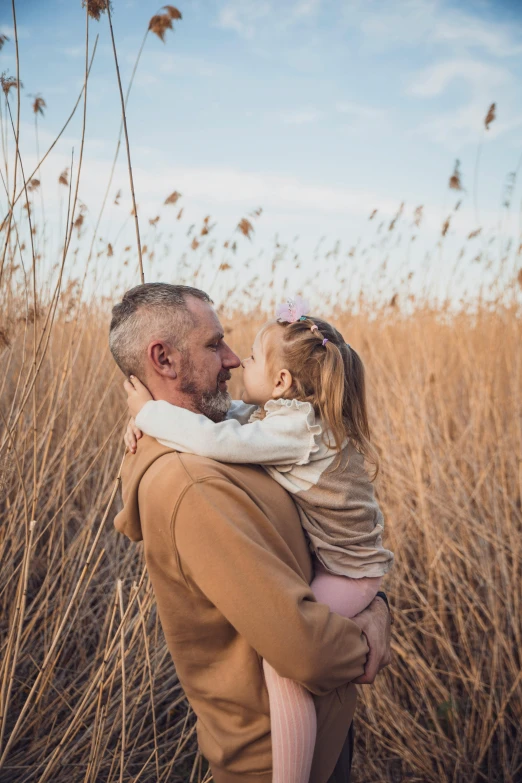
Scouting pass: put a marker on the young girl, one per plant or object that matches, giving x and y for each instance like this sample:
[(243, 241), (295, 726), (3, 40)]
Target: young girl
[(310, 432)]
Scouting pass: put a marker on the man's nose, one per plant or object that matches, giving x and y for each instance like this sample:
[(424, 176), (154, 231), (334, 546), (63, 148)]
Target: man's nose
[(230, 360)]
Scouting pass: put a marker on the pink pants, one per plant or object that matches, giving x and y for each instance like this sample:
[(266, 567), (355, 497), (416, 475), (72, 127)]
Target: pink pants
[(292, 710), (342, 594)]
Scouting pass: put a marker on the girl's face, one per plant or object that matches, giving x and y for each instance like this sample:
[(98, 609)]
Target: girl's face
[(262, 383)]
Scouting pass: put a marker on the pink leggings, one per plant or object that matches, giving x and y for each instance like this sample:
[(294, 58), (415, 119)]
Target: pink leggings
[(292, 709)]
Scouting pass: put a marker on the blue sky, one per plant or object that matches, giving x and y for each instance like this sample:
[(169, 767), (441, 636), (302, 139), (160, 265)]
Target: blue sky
[(318, 111)]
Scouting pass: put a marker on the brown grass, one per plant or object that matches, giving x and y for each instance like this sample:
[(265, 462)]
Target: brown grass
[(88, 691), (444, 396)]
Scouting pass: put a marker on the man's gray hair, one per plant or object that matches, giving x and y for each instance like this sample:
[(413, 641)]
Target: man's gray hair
[(152, 311)]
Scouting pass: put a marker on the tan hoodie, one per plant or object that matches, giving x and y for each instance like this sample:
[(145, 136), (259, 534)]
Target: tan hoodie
[(230, 569)]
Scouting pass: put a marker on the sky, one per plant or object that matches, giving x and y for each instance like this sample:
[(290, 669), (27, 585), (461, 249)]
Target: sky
[(318, 111)]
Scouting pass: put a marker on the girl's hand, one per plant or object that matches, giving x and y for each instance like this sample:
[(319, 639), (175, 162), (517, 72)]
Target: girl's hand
[(137, 395), (132, 436)]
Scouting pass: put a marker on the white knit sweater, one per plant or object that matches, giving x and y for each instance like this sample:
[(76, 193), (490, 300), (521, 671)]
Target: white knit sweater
[(332, 490)]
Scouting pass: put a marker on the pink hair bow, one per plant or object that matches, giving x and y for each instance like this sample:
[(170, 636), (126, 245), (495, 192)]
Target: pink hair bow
[(294, 309)]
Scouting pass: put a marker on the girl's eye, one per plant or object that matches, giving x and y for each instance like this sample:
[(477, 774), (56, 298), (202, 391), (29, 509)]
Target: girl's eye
[(252, 357)]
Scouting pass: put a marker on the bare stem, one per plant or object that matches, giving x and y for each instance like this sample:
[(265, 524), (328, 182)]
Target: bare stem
[(18, 621), (65, 617), (71, 115), (475, 178), (71, 213), (123, 701), (111, 176), (131, 179), (17, 140)]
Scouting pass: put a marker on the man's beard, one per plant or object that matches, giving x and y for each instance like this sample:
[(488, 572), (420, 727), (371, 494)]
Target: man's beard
[(213, 403)]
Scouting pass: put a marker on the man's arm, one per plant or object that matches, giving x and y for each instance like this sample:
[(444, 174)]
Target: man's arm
[(230, 551)]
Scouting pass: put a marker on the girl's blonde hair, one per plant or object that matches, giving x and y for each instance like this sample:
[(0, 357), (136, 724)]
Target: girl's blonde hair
[(328, 373)]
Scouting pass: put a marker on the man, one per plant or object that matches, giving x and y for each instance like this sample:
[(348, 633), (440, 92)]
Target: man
[(228, 559)]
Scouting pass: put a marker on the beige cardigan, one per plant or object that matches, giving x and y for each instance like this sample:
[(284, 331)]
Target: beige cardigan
[(230, 569), (332, 489)]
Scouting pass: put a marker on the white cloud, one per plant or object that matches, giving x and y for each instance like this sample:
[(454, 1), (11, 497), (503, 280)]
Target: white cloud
[(357, 113), (290, 204), (469, 31), (243, 17), (464, 126), (182, 64), (480, 76), (147, 79), (484, 84), (22, 32), (301, 117), (389, 25), (421, 23), (74, 51), (306, 8), (215, 187), (246, 16), (359, 110)]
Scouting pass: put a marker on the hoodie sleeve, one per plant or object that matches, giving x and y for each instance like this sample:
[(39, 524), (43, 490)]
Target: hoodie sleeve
[(230, 551)]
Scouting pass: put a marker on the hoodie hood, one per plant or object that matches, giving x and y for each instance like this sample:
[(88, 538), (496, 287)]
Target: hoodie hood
[(134, 468)]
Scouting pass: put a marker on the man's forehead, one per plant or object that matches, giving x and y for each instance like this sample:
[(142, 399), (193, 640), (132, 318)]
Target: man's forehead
[(205, 317)]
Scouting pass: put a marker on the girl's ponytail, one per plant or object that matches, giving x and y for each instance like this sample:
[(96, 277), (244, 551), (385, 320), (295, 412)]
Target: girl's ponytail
[(355, 409), (330, 393), (328, 373)]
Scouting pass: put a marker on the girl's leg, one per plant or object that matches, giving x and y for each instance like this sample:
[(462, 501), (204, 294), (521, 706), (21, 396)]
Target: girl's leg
[(342, 594), (294, 728), (292, 710)]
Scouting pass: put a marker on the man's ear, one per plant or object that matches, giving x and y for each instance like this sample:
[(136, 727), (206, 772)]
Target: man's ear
[(164, 359), (282, 384)]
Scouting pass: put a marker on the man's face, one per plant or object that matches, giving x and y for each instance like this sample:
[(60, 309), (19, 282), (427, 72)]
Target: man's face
[(206, 362)]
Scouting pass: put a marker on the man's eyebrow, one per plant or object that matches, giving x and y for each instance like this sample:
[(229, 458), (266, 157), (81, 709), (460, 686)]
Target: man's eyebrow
[(215, 337)]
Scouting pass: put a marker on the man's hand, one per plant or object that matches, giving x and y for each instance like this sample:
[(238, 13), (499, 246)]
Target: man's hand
[(137, 395), (375, 623)]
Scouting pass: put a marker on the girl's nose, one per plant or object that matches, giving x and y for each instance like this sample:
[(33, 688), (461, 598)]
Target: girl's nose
[(243, 363)]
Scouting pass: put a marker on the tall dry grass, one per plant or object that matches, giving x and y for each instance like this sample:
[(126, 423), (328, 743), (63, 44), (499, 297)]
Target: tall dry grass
[(445, 403), (88, 691)]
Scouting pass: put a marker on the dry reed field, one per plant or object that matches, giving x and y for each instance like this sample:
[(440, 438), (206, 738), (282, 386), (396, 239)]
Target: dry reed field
[(88, 691)]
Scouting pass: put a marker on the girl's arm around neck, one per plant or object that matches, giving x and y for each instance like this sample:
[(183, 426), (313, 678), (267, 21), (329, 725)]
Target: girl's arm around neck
[(240, 411), (281, 438)]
